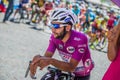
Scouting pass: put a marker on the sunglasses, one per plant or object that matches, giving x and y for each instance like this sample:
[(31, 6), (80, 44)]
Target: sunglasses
[(56, 26)]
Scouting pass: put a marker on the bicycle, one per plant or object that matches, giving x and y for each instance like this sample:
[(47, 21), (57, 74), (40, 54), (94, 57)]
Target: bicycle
[(53, 74)]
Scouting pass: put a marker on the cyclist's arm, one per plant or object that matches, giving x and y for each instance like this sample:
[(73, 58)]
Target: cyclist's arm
[(111, 51), (48, 54), (112, 44), (64, 66)]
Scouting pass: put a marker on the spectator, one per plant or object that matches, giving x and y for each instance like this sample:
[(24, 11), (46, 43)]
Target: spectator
[(113, 54), (9, 10)]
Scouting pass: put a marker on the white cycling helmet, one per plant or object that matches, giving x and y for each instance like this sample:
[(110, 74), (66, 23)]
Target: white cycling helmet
[(63, 15)]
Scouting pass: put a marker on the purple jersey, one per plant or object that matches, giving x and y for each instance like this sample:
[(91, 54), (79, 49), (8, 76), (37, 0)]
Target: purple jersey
[(77, 48)]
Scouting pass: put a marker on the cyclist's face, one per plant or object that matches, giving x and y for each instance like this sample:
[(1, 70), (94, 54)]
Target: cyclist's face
[(58, 31)]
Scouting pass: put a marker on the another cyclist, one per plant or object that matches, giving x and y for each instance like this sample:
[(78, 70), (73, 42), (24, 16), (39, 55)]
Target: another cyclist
[(48, 6), (111, 20), (76, 10), (71, 45)]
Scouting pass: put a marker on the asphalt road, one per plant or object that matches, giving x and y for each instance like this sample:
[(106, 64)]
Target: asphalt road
[(20, 42)]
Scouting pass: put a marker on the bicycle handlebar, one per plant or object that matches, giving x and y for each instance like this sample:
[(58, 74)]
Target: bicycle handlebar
[(52, 70)]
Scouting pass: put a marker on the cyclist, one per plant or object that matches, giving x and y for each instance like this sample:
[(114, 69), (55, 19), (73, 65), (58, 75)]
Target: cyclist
[(71, 45), (48, 6), (86, 24), (111, 20), (97, 29), (76, 10)]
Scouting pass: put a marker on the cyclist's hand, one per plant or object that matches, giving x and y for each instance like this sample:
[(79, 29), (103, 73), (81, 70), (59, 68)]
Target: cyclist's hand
[(42, 62), (33, 67), (33, 70)]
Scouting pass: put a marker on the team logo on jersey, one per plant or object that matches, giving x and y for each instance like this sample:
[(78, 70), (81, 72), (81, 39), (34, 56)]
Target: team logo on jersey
[(70, 49), (81, 50), (60, 46), (87, 63), (77, 39)]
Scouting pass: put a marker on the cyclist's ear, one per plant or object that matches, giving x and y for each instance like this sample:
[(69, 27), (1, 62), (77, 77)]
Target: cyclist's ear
[(68, 27)]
